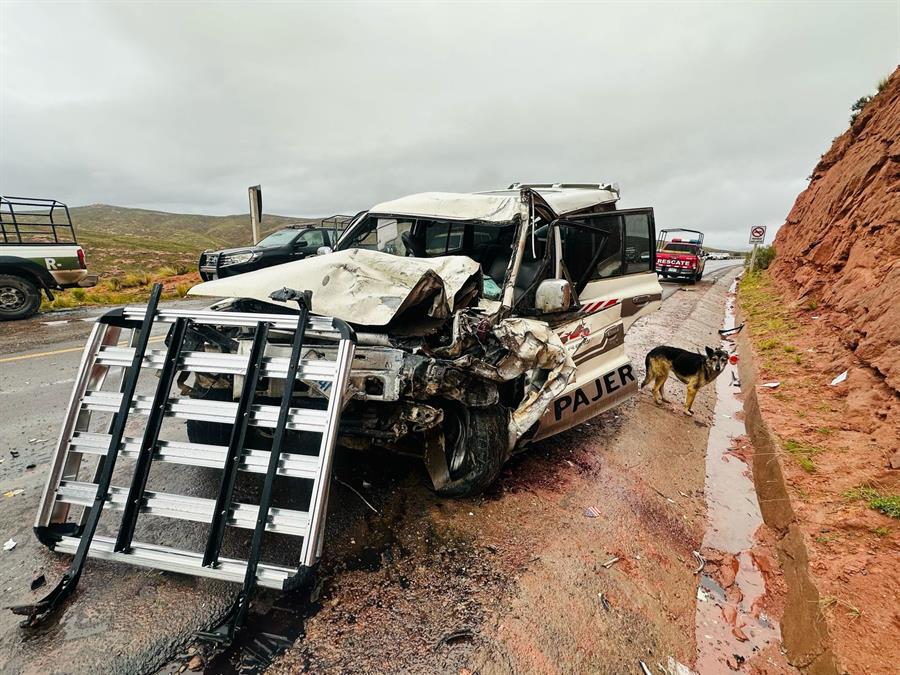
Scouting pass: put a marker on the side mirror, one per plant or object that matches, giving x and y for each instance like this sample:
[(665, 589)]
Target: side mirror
[(553, 295), (323, 250)]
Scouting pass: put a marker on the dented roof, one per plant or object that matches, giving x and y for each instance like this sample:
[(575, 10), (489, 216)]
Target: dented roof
[(498, 206)]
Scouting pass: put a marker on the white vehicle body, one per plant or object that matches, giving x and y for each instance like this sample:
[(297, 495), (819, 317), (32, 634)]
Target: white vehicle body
[(515, 299)]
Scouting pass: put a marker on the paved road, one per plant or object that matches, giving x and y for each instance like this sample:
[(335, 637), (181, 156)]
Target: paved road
[(38, 361)]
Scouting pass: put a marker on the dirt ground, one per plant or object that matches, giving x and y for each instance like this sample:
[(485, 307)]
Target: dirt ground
[(523, 579), (836, 444)]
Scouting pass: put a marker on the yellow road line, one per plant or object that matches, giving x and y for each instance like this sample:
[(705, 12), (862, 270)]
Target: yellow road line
[(23, 357)]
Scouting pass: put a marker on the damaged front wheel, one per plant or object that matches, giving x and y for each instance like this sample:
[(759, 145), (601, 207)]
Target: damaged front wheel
[(472, 453)]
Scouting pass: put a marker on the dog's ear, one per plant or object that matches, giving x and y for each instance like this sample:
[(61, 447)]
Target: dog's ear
[(710, 352)]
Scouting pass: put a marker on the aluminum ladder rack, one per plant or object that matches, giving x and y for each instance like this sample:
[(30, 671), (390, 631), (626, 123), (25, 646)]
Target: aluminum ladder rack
[(105, 352)]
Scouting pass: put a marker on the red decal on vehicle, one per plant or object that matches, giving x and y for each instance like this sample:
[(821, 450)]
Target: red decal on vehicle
[(599, 305)]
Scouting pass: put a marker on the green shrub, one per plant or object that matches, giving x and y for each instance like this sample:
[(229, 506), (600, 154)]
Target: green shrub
[(167, 271), (857, 107), (134, 280), (764, 257), (78, 294)]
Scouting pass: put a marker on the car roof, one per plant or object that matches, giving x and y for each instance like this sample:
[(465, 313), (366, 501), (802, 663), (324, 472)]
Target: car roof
[(496, 205)]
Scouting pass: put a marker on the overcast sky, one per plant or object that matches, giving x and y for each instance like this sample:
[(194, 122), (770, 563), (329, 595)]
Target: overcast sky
[(712, 114)]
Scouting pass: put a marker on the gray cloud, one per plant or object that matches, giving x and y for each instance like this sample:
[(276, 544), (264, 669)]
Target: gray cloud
[(713, 114)]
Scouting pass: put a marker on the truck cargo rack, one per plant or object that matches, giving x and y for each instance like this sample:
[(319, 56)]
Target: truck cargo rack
[(105, 352), (34, 221)]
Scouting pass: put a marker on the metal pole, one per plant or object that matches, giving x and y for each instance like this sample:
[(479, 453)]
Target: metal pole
[(753, 258), (255, 193)]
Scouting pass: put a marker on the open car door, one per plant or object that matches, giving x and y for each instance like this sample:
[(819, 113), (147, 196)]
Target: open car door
[(609, 260)]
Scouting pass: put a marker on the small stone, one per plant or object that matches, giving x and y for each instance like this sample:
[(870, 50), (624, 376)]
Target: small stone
[(895, 460), (196, 663), (739, 634)]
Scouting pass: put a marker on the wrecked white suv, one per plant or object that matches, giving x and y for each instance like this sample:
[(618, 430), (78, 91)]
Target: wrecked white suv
[(484, 321)]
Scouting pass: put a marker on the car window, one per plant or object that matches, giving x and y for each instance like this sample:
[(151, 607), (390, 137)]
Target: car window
[(638, 238), (444, 238), (280, 238), (488, 243), (312, 238), (680, 248), (592, 249)]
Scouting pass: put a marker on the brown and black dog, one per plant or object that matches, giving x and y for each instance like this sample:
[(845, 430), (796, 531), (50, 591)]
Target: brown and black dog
[(695, 370)]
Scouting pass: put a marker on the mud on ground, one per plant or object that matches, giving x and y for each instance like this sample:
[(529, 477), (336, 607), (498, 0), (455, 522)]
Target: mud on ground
[(521, 579)]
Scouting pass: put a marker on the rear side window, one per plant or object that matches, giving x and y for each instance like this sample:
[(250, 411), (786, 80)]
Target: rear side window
[(444, 238), (638, 242), (312, 238), (592, 249)]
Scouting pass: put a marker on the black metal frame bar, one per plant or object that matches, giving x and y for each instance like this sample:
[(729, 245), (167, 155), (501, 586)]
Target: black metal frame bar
[(42, 219), (236, 446), (71, 577), (265, 498), (234, 620), (151, 437)]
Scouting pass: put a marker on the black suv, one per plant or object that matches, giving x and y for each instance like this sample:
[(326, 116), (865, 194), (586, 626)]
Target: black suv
[(292, 243)]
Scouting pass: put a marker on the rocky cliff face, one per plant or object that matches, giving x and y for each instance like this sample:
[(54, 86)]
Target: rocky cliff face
[(840, 245)]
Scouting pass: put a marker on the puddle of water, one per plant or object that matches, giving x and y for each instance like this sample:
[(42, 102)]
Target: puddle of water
[(733, 517)]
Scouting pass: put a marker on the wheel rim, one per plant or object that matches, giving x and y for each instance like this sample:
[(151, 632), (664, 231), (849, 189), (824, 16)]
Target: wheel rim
[(456, 453), (11, 299)]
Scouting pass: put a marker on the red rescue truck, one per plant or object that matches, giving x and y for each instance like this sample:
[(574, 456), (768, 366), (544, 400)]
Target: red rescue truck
[(680, 257)]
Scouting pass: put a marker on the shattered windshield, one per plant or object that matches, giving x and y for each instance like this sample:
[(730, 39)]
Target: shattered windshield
[(487, 243)]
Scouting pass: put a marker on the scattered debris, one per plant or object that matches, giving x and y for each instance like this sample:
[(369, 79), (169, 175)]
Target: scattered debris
[(38, 581), (13, 493), (700, 560), (735, 382), (895, 460), (731, 331), (9, 545), (356, 492), (455, 637), (673, 667), (14, 453), (592, 512), (31, 466), (612, 561), (644, 669), (196, 663), (603, 601), (771, 385), (840, 378), (739, 634)]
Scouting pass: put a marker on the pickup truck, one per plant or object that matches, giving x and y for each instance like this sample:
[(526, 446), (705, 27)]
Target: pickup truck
[(287, 245), (680, 258), (38, 252)]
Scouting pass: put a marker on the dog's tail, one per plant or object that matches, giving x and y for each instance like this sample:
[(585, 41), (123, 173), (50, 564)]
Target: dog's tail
[(646, 369)]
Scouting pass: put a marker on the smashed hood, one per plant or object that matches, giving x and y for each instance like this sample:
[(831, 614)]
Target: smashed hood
[(364, 287)]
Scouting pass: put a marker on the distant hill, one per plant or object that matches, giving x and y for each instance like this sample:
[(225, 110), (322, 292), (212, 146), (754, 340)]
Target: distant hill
[(119, 240)]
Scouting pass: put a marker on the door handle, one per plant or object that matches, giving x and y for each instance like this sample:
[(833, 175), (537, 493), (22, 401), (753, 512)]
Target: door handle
[(641, 299)]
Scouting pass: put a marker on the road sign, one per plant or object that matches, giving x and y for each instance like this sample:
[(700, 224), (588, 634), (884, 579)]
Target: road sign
[(757, 234)]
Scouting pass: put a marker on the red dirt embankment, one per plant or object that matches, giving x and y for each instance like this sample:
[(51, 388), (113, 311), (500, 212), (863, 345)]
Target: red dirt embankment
[(840, 245), (833, 307)]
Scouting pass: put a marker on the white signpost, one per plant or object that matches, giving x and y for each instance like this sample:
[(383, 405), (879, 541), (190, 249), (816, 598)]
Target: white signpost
[(757, 237)]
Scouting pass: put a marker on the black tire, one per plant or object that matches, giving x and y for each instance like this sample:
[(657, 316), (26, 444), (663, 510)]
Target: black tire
[(210, 433), (19, 298), (481, 437)]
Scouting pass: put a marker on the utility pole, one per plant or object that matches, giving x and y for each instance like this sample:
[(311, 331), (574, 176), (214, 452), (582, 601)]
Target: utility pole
[(753, 258), (255, 193)]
